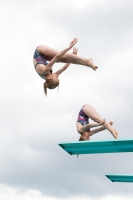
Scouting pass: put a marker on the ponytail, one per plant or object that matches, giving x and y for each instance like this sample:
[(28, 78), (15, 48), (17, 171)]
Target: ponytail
[(49, 86), (45, 88)]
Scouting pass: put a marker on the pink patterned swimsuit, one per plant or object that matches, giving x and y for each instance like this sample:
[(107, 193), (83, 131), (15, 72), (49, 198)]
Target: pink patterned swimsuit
[(83, 119), (40, 59)]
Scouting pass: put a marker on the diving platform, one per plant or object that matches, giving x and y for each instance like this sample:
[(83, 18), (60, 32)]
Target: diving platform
[(120, 177), (96, 147)]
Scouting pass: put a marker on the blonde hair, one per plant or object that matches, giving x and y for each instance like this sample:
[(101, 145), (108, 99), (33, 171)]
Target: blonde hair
[(50, 86)]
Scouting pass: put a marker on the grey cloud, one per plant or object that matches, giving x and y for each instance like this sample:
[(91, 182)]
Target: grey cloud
[(32, 126), (101, 28)]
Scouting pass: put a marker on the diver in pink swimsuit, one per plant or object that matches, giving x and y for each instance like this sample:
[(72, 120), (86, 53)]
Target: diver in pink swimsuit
[(44, 69), (83, 125)]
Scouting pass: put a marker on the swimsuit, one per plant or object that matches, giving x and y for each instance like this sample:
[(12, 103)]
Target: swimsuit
[(83, 119), (40, 59)]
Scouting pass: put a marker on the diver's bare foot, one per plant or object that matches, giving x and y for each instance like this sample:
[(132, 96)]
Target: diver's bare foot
[(116, 134), (91, 64)]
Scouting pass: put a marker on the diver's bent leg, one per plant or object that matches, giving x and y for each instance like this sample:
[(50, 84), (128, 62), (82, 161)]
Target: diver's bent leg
[(92, 114)]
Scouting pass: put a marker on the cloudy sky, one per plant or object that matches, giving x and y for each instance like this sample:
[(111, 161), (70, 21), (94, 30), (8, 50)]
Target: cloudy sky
[(32, 165)]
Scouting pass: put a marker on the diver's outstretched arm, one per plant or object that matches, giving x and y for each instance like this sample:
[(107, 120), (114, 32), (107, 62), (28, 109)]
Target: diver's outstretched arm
[(102, 128), (61, 53), (96, 130), (92, 125), (75, 51)]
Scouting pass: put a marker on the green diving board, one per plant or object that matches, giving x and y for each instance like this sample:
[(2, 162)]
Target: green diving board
[(120, 177), (93, 147)]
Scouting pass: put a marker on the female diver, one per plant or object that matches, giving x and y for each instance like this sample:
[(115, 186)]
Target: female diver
[(83, 125), (44, 69)]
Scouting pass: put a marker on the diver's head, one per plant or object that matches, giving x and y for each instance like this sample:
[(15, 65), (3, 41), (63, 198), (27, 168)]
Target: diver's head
[(51, 82), (84, 136)]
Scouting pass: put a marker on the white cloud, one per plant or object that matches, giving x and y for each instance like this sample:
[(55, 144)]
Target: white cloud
[(14, 193)]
